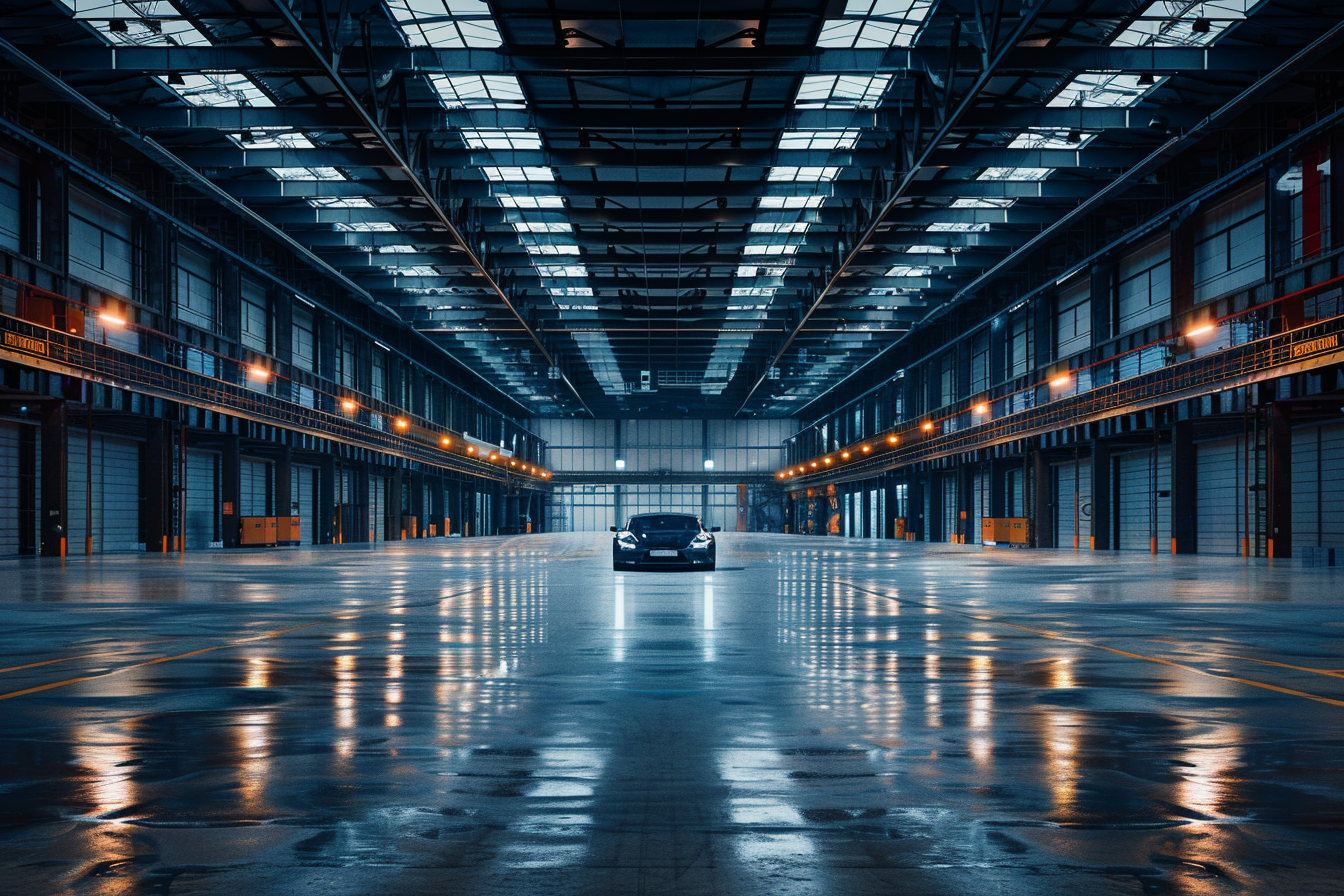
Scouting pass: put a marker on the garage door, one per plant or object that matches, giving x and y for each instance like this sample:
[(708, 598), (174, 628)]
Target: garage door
[(254, 477), (377, 508), (202, 500), (116, 494), (949, 510), (303, 494), (980, 505), (9, 490), (1144, 505), (1073, 502), (1219, 497), (1318, 486)]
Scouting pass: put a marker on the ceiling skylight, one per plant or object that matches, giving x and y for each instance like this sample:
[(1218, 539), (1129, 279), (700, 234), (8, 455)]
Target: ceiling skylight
[(793, 174), (147, 23), (876, 23), (446, 24), (909, 270), (573, 292), (399, 249), (318, 173), (543, 227), (769, 250), (982, 203), (777, 202), (836, 138), (531, 202), (750, 292), (841, 91), (341, 202), (501, 138), (561, 270), (751, 270), (219, 89), (419, 270), (1014, 174), (479, 91), (517, 174), (553, 249), (958, 227), (368, 227), (767, 227)]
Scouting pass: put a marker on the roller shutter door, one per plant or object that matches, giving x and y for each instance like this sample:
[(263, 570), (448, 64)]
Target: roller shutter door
[(116, 494), (9, 490), (980, 504), (302, 491), (254, 477), (1219, 497), (1138, 501), (1318, 487), (378, 509), (1073, 501), (203, 524), (949, 507)]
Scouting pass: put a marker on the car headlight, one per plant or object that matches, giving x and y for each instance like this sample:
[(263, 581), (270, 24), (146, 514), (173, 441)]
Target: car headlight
[(702, 540), (627, 541)]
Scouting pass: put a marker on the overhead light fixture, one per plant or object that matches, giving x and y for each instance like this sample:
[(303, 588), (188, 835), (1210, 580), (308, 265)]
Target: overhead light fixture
[(175, 80), (117, 26), (402, 423), (844, 455), (584, 141), (826, 461), (348, 406), (893, 440), (446, 442), (1201, 25), (928, 427), (721, 202), (980, 410), (1159, 123), (866, 448), (111, 320), (1201, 330), (1147, 80), (620, 463), (1060, 381), (471, 449), (1074, 136), (709, 463), (258, 373)]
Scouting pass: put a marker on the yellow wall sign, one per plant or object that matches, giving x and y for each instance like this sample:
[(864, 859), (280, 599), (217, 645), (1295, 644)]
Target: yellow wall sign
[(1312, 346), (26, 343)]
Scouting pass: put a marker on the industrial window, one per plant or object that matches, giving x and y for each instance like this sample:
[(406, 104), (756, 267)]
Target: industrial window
[(1230, 246), (100, 244), (1306, 186), (195, 290), (1145, 285), (378, 385), (9, 202), (947, 379), (1019, 343), (255, 311), (347, 355), (1073, 319), (980, 361), (304, 344)]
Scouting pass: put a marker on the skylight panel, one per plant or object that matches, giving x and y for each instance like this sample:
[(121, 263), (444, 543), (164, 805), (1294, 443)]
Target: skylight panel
[(399, 249), (219, 89), (910, 270), (553, 249), (982, 203), (543, 227), (833, 139), (147, 23), (841, 91), (956, 227), (1044, 138), (501, 138), (531, 202), (1170, 23), (446, 24), (418, 270), (794, 174), (929, 250), (1101, 90), (1014, 174), (884, 23), (341, 202), (367, 227), (788, 227), (317, 173), (791, 202), (751, 270), (574, 292), (271, 138), (753, 292), (479, 91), (518, 174), (769, 250), (562, 270)]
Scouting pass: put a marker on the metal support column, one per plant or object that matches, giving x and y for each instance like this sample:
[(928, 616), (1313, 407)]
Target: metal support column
[(1184, 469), (55, 444)]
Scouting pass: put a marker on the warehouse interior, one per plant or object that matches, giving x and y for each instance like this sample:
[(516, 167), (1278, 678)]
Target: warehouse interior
[(1024, 310)]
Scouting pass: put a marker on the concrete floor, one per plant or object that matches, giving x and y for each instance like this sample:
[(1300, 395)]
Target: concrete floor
[(819, 716)]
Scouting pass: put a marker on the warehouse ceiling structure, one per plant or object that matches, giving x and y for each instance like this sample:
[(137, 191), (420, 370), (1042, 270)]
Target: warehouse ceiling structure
[(674, 208)]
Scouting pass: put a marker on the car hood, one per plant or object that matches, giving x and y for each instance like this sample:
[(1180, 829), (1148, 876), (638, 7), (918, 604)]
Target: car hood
[(666, 539)]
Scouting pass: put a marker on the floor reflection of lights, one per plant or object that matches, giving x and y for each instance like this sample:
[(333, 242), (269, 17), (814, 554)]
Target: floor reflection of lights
[(1207, 783)]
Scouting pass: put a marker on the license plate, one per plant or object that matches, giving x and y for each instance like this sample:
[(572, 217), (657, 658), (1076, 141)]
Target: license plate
[(662, 553)]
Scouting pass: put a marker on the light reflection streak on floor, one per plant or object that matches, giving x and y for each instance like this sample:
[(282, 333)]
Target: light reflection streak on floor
[(817, 716)]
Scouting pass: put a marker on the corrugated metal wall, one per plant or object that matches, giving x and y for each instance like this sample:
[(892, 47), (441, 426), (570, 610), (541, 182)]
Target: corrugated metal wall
[(202, 500), (303, 494), (254, 477), (1073, 500)]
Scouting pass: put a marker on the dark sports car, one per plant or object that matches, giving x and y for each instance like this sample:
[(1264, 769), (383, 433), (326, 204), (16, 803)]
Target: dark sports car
[(658, 540)]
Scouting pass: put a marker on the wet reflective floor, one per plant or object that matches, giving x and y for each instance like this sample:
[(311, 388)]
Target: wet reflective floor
[(818, 716)]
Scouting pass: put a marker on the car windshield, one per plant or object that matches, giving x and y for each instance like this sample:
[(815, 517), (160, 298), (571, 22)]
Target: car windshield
[(643, 525)]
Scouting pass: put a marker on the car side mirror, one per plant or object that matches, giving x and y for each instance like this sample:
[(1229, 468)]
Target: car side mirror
[(716, 528), (614, 529)]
